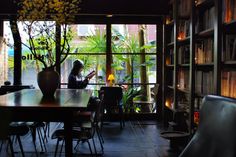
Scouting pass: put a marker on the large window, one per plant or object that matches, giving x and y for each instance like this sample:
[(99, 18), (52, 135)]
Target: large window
[(133, 56)]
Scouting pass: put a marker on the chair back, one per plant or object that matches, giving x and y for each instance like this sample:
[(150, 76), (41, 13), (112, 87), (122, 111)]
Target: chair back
[(112, 95), (215, 136), (4, 124)]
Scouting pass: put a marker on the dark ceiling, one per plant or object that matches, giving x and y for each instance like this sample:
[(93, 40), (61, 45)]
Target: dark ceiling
[(130, 7)]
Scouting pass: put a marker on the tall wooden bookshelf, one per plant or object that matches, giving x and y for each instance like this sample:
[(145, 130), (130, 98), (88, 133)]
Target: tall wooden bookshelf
[(177, 56), (199, 54)]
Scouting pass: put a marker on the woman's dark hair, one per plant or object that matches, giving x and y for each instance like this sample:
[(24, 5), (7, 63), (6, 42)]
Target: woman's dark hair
[(76, 66)]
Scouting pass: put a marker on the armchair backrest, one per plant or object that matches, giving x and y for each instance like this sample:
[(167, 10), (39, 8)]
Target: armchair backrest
[(216, 133)]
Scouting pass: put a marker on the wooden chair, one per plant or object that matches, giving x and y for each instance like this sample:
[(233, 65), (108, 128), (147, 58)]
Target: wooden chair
[(88, 124), (9, 130), (112, 97)]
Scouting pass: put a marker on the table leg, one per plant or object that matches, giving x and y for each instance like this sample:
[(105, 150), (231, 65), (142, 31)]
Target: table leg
[(68, 138)]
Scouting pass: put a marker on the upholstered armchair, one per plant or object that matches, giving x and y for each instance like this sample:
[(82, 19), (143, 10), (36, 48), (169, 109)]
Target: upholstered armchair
[(216, 133)]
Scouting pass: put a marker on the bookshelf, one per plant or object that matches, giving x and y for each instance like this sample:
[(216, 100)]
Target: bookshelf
[(177, 56), (228, 57), (200, 54)]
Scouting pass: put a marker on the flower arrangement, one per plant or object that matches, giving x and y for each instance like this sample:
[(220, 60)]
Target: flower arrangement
[(111, 79), (46, 24)]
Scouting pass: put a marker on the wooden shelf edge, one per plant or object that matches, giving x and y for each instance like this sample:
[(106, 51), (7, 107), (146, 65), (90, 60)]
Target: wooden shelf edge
[(233, 62), (185, 40), (204, 64), (171, 44), (184, 90), (184, 65), (170, 87), (205, 4), (206, 33)]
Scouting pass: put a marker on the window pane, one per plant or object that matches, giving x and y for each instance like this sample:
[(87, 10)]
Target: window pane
[(4, 62), (127, 67), (126, 39), (88, 38)]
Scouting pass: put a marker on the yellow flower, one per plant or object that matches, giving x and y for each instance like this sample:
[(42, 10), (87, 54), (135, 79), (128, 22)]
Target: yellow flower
[(111, 77)]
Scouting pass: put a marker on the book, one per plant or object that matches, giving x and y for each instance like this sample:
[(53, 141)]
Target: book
[(90, 75), (230, 48)]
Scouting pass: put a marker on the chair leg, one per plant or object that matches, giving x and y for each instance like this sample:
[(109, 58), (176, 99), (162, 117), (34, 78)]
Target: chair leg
[(46, 131), (1, 145), (21, 147), (35, 148), (42, 139), (55, 154), (63, 141), (11, 146), (100, 138), (94, 146), (90, 148)]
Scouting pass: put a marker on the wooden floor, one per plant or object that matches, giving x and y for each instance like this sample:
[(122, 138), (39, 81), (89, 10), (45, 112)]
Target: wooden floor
[(137, 139)]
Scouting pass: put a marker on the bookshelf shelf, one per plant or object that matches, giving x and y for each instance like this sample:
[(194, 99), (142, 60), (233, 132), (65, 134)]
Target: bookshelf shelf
[(204, 4), (230, 27), (184, 90), (233, 62), (170, 44), (184, 41), (205, 65), (184, 65), (171, 66), (206, 33), (170, 23), (170, 87)]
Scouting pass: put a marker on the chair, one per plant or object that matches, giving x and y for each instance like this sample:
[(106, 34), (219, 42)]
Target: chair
[(88, 124), (112, 102), (215, 135), (9, 130), (37, 128), (149, 106)]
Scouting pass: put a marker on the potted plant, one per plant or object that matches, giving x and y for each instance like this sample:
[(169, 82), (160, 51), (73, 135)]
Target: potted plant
[(46, 24)]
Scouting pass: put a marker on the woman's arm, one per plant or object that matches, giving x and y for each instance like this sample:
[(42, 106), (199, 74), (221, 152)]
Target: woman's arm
[(75, 84)]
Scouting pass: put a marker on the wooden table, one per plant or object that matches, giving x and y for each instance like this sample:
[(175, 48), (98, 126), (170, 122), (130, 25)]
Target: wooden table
[(29, 105)]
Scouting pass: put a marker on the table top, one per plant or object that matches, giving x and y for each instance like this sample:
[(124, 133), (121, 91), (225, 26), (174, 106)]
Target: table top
[(33, 98)]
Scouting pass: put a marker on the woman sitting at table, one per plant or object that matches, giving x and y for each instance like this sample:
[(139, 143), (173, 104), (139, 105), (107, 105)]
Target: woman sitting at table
[(76, 81)]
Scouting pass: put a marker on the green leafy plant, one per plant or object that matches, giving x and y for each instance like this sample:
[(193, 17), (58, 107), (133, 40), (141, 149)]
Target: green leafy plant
[(128, 95)]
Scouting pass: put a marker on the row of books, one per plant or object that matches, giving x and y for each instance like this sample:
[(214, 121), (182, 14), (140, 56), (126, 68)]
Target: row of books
[(183, 29), (197, 103), (204, 51), (205, 20), (184, 8), (229, 53), (204, 82), (170, 57), (228, 84), (184, 55), (183, 79), (229, 10)]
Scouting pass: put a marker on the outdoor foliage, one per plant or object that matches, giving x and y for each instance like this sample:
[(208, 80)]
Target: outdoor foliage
[(46, 24)]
